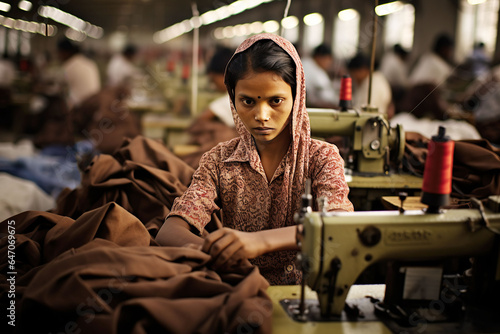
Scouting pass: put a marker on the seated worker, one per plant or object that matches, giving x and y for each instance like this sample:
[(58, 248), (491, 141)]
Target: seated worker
[(426, 95), (257, 179), (218, 108), (381, 95), (215, 123), (321, 92)]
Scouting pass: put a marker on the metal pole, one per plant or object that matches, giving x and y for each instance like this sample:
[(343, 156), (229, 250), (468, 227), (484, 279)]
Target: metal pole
[(196, 47), (374, 46)]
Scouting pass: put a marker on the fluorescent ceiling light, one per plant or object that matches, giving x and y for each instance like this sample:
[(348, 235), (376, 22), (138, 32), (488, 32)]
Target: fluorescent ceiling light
[(256, 27), (24, 5), (241, 30), (475, 2), (206, 18), (271, 26), (313, 19), (71, 21), (348, 14), (4, 7), (246, 29), (28, 26), (290, 22), (388, 8)]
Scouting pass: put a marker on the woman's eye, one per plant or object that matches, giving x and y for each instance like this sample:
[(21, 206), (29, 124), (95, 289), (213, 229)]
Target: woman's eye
[(277, 100), (247, 102)]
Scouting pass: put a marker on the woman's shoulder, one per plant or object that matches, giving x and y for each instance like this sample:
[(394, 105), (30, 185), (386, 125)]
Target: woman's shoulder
[(322, 154), (223, 150), (322, 147)]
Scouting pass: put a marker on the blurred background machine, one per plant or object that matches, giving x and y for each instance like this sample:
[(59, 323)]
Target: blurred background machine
[(372, 151), (371, 144)]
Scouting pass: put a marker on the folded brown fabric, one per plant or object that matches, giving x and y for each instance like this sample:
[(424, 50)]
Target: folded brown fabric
[(476, 166), (143, 176), (99, 274), (476, 169)]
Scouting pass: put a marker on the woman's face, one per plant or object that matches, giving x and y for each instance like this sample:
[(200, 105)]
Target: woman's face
[(264, 103)]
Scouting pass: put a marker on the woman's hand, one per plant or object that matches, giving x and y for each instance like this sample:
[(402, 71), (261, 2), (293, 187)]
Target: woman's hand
[(229, 247)]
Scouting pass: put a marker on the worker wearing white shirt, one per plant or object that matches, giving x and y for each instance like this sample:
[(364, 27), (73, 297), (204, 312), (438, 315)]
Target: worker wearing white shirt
[(121, 68), (320, 92), (7, 72), (219, 108), (81, 74), (393, 66), (434, 68), (426, 94), (381, 95)]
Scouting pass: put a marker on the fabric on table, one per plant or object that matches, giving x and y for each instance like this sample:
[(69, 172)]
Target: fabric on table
[(476, 169), (52, 174), (53, 168), (19, 195), (476, 166)]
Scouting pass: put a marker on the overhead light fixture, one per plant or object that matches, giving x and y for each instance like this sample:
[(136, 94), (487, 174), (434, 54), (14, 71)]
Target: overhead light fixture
[(246, 29), (271, 26), (75, 35), (206, 18), (71, 21), (313, 19), (4, 7), (388, 8), (24, 5), (8, 22), (289, 22), (348, 14), (241, 30), (475, 2), (28, 26)]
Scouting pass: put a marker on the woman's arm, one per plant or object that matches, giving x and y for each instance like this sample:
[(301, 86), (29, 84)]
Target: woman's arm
[(176, 232), (328, 179), (228, 247)]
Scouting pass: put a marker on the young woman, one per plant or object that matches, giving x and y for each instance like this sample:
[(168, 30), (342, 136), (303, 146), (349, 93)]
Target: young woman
[(258, 178)]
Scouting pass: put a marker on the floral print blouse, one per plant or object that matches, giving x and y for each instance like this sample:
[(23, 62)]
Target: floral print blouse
[(231, 177)]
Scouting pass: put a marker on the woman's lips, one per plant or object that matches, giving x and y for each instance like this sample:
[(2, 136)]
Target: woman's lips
[(263, 131)]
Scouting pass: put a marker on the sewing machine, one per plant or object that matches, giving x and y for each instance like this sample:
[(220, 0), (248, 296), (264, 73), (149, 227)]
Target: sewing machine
[(369, 147), (371, 142), (337, 247)]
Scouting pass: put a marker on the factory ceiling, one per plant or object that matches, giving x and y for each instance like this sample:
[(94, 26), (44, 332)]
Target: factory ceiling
[(112, 15), (140, 18)]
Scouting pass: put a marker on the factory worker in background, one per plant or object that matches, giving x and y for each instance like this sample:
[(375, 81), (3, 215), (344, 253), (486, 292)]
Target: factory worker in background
[(81, 74)]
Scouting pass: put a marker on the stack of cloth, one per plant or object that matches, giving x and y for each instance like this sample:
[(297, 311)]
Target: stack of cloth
[(91, 265)]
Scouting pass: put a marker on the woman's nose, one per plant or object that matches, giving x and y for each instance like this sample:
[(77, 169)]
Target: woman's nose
[(262, 113)]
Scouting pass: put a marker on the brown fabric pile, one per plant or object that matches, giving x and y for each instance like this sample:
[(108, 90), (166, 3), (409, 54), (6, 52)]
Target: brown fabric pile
[(476, 169), (106, 120), (98, 274), (92, 265), (142, 176), (52, 124), (476, 166), (207, 134)]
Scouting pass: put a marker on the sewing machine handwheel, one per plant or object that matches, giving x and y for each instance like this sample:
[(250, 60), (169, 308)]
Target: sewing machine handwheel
[(370, 236)]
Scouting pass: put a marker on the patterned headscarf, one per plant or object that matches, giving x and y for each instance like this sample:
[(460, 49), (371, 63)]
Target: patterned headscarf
[(297, 157)]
